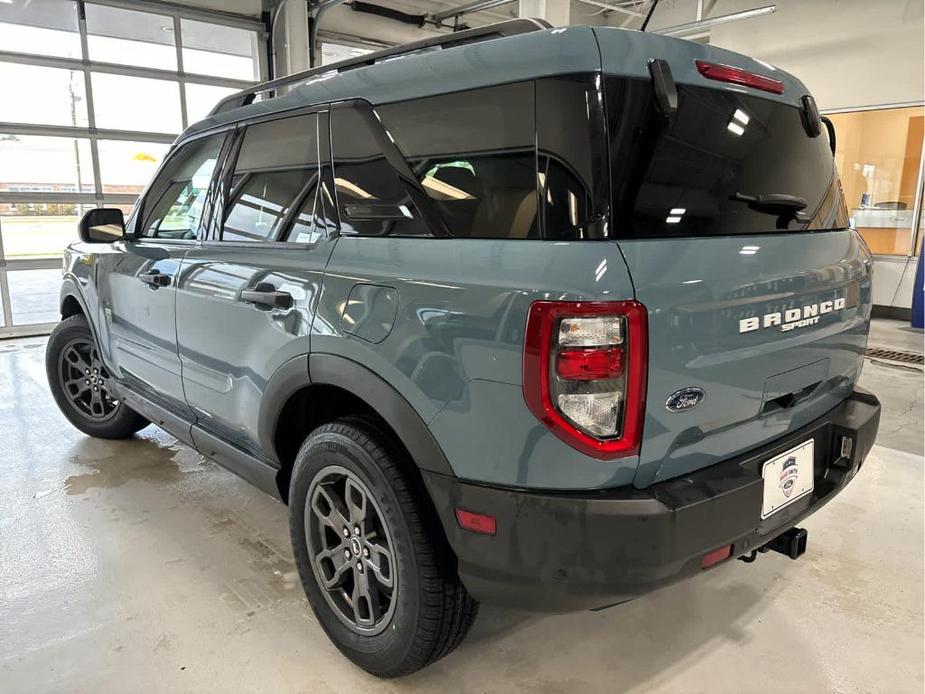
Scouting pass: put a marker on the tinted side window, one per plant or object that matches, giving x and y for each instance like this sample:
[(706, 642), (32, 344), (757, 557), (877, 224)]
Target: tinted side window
[(275, 182), (698, 172), (371, 198), (174, 205), (474, 155)]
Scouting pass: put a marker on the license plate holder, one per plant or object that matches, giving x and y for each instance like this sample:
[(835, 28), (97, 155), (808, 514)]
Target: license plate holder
[(787, 478)]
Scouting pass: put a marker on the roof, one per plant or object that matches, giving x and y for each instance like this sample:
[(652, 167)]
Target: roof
[(521, 57)]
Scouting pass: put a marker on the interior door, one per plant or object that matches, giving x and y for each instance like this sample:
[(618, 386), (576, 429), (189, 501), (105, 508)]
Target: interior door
[(247, 299), (138, 280)]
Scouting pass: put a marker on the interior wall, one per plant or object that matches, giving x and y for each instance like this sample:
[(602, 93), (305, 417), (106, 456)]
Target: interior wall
[(888, 139)]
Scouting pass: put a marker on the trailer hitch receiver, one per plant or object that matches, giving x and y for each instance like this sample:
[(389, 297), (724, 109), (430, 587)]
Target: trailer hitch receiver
[(791, 543)]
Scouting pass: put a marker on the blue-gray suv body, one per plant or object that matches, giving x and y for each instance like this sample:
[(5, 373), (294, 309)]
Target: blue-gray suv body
[(548, 318)]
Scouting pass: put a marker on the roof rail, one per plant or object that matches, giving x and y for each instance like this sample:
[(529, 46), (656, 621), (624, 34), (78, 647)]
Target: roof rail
[(459, 38)]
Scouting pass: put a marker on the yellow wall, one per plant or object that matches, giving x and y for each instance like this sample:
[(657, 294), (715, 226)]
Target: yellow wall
[(891, 141), (880, 138)]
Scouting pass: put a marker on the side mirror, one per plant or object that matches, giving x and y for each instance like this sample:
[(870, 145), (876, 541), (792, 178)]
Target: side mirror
[(102, 225)]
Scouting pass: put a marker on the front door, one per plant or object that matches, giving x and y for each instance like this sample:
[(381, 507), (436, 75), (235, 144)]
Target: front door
[(138, 280), (247, 298)]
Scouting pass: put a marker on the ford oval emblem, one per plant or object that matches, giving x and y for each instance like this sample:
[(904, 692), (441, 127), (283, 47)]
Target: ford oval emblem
[(684, 399)]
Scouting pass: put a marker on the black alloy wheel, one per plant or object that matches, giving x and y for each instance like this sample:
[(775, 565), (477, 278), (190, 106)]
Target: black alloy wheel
[(351, 550), (85, 380)]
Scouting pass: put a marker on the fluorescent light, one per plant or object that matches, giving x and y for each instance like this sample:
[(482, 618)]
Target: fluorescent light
[(672, 220), (744, 252), (741, 116), (678, 210), (735, 128), (750, 248)]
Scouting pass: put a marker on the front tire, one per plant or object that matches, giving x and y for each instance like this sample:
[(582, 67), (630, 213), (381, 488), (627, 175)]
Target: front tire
[(380, 579), (80, 383)]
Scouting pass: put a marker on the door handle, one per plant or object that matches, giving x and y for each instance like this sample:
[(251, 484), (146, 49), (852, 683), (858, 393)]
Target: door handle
[(155, 279), (265, 294)]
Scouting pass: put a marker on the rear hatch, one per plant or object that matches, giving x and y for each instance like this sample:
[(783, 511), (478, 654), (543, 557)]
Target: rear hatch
[(730, 216)]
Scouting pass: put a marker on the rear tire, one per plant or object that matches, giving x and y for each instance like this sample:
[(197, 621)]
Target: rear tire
[(410, 607), (80, 383)]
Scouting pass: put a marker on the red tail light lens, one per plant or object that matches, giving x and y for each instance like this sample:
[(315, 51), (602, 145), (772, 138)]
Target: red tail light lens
[(589, 364), (585, 373), (726, 73)]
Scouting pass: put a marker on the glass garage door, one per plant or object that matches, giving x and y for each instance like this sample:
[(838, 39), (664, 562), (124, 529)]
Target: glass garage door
[(93, 95)]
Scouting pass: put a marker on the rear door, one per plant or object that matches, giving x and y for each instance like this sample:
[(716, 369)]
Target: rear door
[(249, 294), (760, 302), (137, 284)]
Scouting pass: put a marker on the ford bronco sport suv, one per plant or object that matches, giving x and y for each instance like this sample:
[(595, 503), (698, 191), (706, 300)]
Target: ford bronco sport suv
[(544, 318)]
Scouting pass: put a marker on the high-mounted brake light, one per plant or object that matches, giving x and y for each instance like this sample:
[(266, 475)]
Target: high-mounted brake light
[(727, 73), (584, 373)]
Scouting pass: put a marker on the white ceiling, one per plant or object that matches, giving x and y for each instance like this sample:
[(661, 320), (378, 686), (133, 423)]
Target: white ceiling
[(582, 13)]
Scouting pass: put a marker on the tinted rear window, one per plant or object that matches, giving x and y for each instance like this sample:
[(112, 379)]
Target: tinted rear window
[(681, 176)]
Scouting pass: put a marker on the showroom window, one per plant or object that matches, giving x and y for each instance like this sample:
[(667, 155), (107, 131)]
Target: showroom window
[(879, 158), (95, 93)]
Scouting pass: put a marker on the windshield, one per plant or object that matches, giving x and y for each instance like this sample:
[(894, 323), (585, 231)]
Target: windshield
[(724, 163)]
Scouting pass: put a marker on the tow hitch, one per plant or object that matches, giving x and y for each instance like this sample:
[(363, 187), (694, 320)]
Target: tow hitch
[(791, 543)]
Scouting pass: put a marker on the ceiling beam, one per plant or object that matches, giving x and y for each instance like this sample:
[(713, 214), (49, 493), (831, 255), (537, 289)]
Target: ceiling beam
[(468, 8), (616, 7), (697, 27)]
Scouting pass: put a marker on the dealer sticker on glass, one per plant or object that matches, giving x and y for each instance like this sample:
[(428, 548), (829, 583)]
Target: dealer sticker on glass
[(787, 477)]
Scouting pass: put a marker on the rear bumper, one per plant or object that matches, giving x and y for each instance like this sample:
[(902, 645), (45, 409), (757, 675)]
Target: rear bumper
[(573, 551)]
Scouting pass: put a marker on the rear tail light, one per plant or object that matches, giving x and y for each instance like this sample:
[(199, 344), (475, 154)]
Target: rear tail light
[(734, 75), (585, 373)]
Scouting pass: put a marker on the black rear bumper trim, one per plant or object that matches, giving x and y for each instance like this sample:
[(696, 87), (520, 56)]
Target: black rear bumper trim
[(582, 550)]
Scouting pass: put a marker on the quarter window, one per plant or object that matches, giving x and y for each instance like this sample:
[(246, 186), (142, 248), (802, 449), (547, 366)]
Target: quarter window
[(174, 206), (475, 157), (275, 183), (371, 198)]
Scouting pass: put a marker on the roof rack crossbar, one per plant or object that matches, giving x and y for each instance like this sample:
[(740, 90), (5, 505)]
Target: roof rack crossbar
[(485, 33)]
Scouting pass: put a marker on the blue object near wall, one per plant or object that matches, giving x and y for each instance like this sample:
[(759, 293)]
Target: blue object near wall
[(918, 296)]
